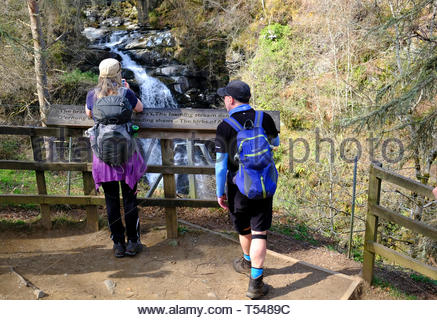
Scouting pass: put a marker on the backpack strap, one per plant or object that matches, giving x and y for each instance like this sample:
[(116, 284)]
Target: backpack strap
[(259, 115), (234, 124)]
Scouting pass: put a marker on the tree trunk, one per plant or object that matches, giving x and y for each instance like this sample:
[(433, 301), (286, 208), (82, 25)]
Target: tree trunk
[(143, 11), (40, 72), (40, 61)]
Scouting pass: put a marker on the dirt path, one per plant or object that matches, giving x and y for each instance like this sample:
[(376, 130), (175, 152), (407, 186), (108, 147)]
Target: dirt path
[(68, 264), (67, 257)]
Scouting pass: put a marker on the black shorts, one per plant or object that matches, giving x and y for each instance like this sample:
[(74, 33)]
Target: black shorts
[(248, 214)]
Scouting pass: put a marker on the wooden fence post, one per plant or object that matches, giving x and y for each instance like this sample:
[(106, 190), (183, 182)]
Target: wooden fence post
[(191, 177), (92, 215), (169, 188), (374, 194), (37, 148)]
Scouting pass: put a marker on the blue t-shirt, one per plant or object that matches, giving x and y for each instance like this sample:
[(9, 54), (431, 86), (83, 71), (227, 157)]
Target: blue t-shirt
[(130, 95)]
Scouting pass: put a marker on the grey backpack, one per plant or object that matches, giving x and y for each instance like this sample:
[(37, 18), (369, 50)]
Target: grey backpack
[(111, 138)]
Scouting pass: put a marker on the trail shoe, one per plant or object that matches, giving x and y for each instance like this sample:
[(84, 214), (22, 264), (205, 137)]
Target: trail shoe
[(257, 288), (119, 250), (241, 265), (133, 247)]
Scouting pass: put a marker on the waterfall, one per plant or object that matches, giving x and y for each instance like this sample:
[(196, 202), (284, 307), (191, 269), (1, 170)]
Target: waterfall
[(155, 94)]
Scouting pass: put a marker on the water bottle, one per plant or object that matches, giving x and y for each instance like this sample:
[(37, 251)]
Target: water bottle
[(134, 130)]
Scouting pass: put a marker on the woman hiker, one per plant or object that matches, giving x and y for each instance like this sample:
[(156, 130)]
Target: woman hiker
[(127, 174)]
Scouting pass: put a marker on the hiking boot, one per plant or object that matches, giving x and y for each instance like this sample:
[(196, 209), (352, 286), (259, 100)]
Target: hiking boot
[(119, 250), (241, 265), (257, 288), (133, 247)]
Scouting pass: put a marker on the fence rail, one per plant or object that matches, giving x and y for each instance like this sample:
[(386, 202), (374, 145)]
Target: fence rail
[(100, 200), (64, 121), (90, 199), (375, 211), (87, 167)]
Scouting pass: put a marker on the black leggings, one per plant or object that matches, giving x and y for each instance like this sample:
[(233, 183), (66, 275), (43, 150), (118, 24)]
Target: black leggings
[(112, 198)]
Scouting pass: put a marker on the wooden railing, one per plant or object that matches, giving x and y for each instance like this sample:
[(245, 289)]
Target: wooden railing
[(70, 121), (375, 211), (90, 199)]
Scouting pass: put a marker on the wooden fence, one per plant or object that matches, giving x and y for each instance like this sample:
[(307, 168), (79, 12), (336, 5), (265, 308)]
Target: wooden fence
[(70, 121), (375, 211)]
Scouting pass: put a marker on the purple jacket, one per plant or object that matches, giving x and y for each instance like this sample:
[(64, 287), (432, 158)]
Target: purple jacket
[(130, 172)]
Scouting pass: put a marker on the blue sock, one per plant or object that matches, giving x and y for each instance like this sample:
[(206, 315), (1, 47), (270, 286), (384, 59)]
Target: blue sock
[(256, 272), (246, 257)]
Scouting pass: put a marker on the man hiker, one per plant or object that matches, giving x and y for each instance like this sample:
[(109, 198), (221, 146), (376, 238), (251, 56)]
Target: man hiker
[(251, 176)]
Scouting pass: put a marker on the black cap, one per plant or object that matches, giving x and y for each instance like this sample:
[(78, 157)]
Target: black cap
[(237, 89)]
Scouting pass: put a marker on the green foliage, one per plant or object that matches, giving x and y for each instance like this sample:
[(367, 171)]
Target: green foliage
[(18, 224), (12, 223), (330, 247), (154, 19), (280, 59), (24, 182), (275, 37), (16, 54), (74, 86), (17, 182), (11, 147), (422, 278), (357, 248), (182, 230), (299, 231), (76, 76), (395, 292), (57, 54), (62, 219)]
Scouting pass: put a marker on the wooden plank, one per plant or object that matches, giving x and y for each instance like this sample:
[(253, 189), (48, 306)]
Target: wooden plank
[(46, 220), (165, 169), (414, 225), (404, 182), (65, 132), (87, 166), (199, 119), (403, 260), (45, 166), (178, 202), (62, 132), (13, 199), (37, 148), (92, 222), (68, 115), (169, 188), (374, 194), (92, 214)]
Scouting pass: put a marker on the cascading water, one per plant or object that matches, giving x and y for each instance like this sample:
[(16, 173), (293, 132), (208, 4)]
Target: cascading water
[(154, 94)]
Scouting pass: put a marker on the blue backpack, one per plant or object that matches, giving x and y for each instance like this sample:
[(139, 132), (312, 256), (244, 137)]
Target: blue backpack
[(257, 175)]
